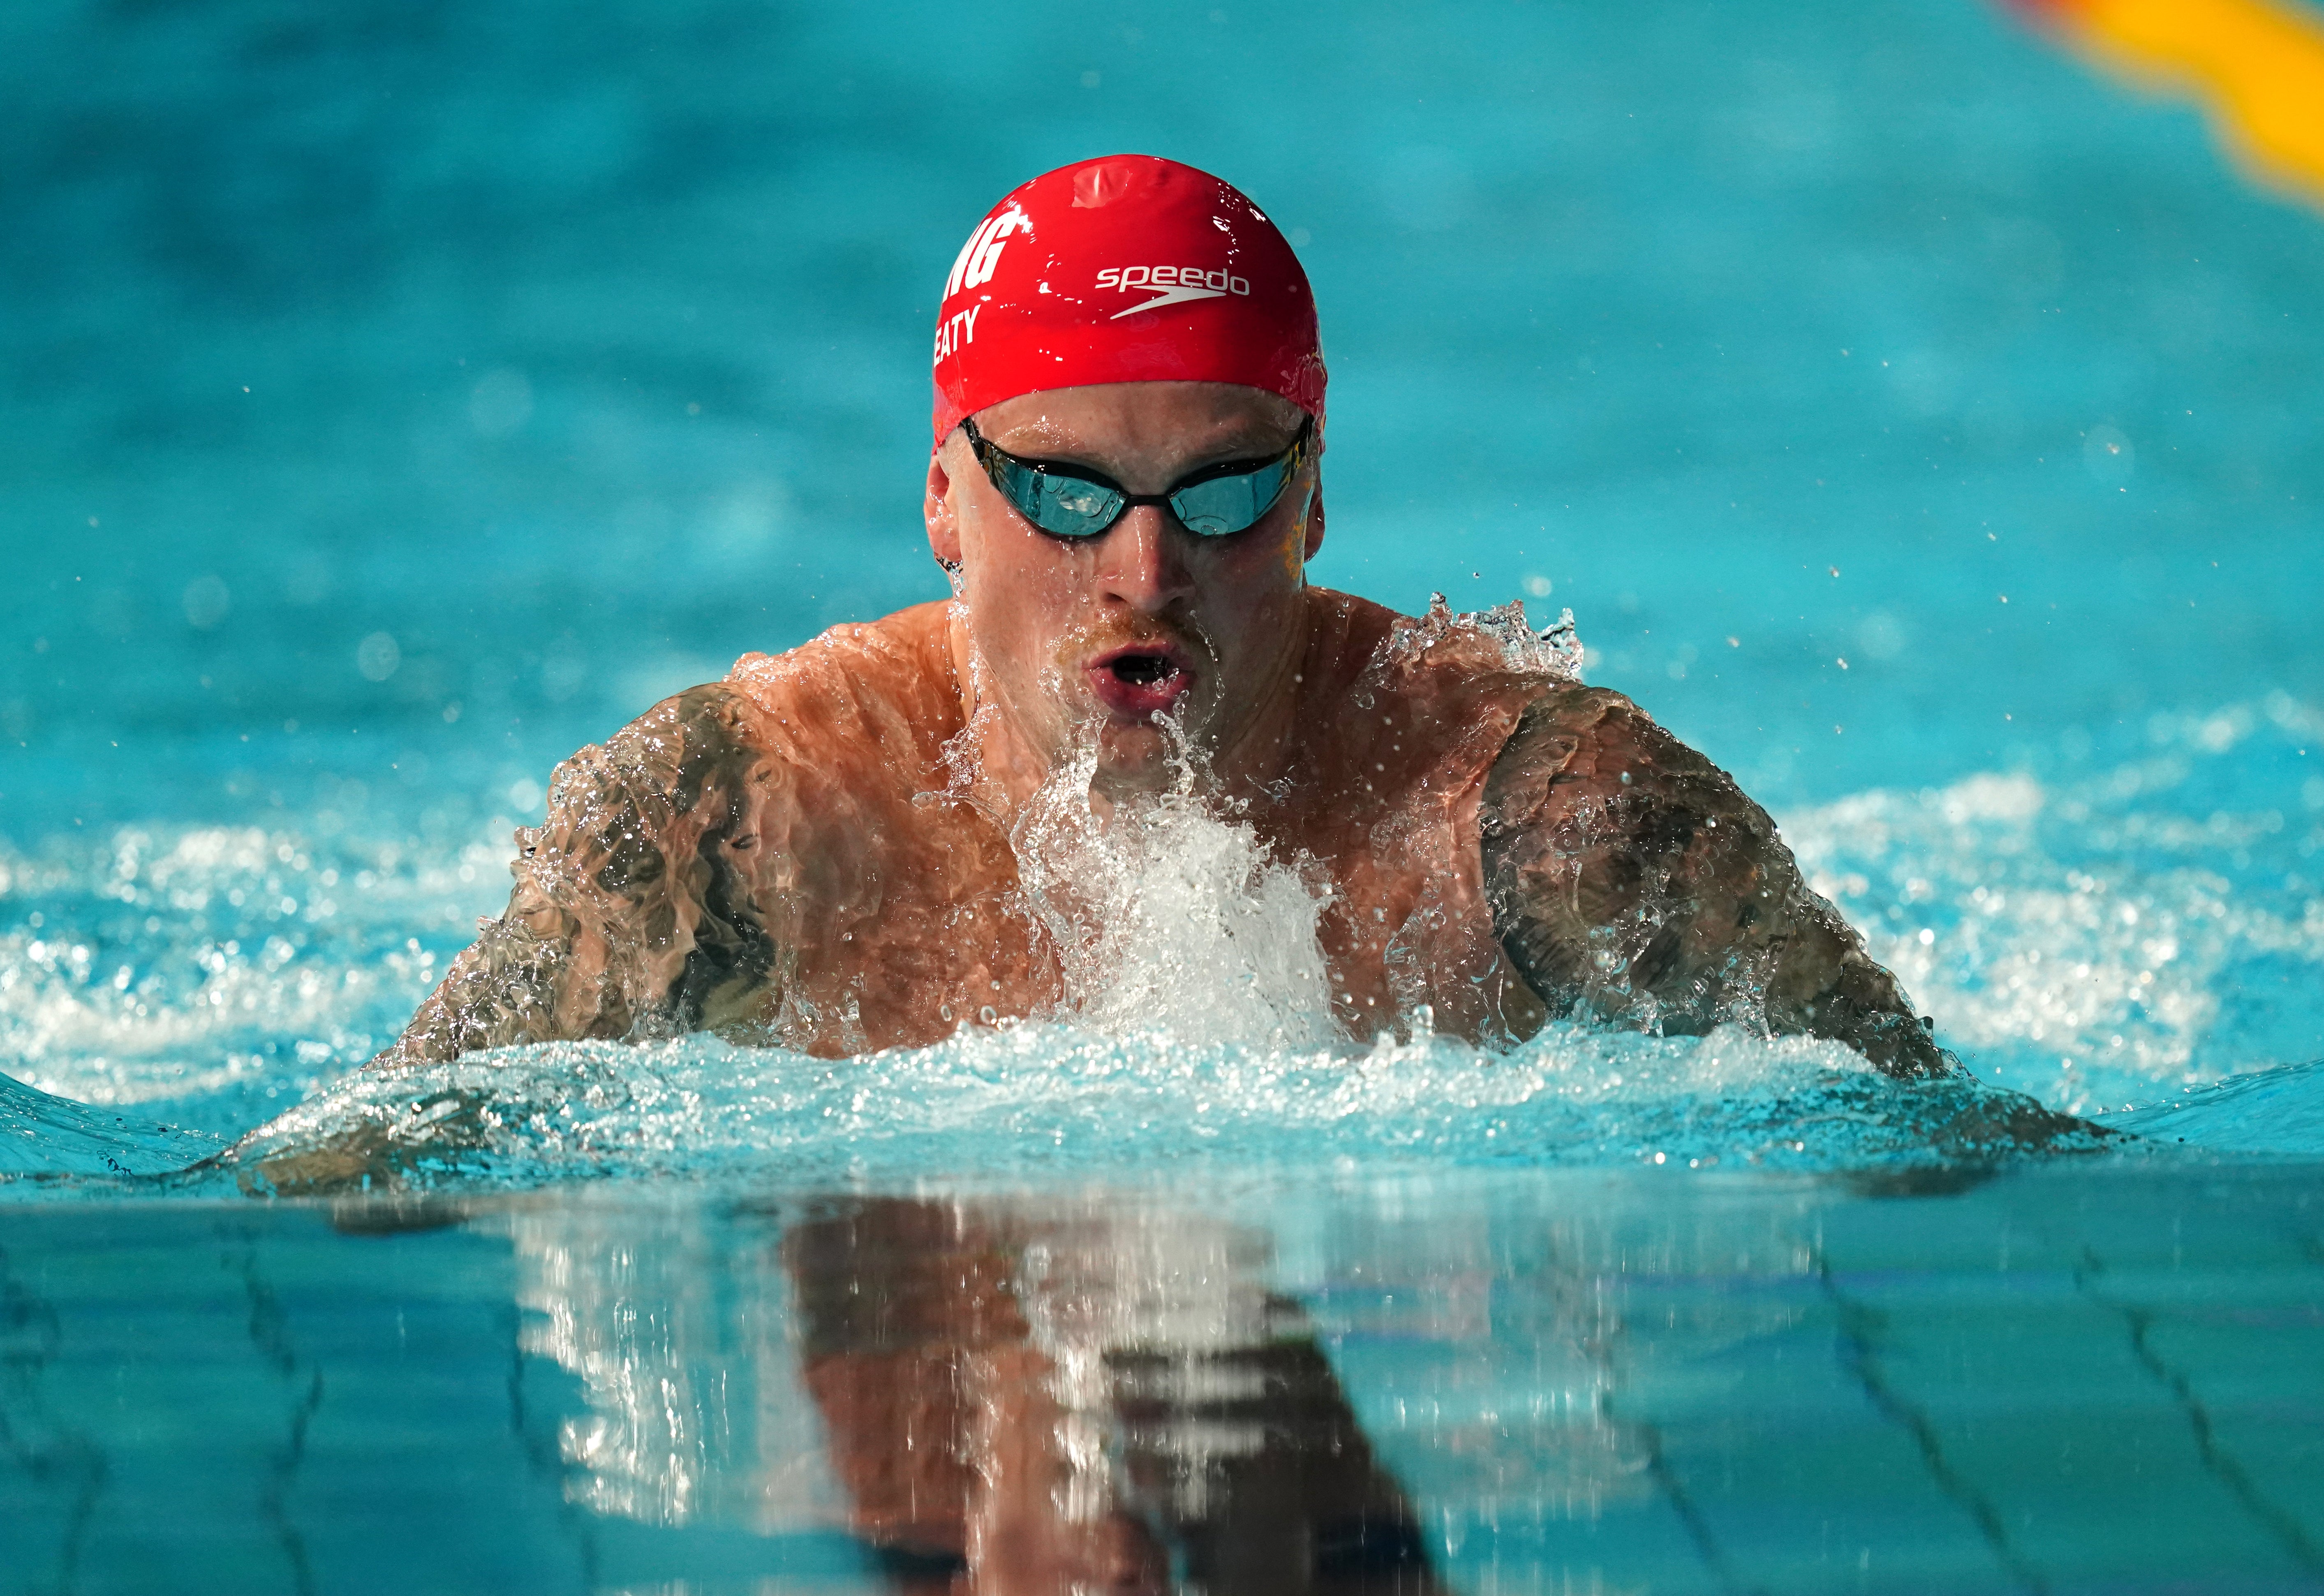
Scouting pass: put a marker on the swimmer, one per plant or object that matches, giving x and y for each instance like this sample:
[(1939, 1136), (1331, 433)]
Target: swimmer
[(824, 850)]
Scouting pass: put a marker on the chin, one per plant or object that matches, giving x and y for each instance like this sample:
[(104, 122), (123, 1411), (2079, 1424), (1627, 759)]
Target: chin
[(1133, 757)]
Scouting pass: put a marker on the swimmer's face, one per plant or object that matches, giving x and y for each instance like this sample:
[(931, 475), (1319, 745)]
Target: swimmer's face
[(1106, 633)]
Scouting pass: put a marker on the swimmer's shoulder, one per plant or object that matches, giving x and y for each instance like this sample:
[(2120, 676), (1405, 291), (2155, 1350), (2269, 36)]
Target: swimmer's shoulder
[(1557, 731), (1458, 686), (1344, 638), (862, 700), (885, 687), (1575, 742), (900, 664), (1443, 658)]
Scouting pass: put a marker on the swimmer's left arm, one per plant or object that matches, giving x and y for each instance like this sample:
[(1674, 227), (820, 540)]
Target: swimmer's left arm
[(1633, 881)]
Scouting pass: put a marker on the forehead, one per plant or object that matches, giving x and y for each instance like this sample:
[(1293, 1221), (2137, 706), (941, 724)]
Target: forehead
[(1138, 421)]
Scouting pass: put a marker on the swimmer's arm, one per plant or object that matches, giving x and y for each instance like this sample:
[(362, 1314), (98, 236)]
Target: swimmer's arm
[(526, 978), (629, 915), (1633, 881)]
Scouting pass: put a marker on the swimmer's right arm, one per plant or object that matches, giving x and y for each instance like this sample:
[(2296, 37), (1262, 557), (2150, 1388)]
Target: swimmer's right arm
[(1632, 881), (628, 915)]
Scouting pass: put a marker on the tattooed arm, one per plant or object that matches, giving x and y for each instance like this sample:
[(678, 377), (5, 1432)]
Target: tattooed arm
[(631, 913), (1632, 881)]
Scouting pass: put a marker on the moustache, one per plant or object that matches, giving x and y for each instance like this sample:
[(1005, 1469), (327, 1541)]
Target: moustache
[(1120, 631)]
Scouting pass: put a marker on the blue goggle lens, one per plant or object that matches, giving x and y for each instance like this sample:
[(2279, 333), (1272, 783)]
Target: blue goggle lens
[(1066, 503)]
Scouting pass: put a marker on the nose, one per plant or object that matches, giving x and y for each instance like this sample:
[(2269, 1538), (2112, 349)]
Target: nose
[(1142, 562)]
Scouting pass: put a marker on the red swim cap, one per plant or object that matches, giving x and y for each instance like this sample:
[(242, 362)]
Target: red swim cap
[(1125, 268)]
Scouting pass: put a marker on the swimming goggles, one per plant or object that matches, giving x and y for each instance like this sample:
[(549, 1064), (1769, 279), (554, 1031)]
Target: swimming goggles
[(1071, 502)]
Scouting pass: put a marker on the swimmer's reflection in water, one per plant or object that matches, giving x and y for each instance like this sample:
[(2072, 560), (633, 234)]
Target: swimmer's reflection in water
[(1029, 1406)]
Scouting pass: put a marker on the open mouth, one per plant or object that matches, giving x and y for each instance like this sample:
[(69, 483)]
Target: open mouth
[(1142, 670), (1138, 683)]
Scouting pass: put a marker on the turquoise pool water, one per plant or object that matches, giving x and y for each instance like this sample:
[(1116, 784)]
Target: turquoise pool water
[(1915, 421)]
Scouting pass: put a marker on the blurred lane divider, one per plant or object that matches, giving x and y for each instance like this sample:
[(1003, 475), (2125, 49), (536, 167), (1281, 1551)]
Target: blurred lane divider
[(2257, 65)]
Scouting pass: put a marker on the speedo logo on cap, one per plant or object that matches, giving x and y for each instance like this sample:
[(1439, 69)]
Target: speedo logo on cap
[(1171, 285)]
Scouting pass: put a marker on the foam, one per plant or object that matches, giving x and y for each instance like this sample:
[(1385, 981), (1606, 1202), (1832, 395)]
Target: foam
[(174, 963), (1050, 1101), (1167, 912), (2099, 940), (2159, 898)]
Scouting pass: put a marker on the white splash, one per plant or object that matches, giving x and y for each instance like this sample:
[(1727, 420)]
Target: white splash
[(164, 962), (2080, 948), (1168, 914)]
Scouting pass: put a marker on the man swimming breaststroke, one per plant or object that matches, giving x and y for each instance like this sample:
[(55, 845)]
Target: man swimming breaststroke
[(833, 850)]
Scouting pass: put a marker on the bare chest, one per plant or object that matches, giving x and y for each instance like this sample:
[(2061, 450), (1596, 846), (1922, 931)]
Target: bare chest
[(918, 920)]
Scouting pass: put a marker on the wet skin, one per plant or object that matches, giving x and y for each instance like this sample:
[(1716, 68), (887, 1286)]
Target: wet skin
[(821, 851), (1053, 636)]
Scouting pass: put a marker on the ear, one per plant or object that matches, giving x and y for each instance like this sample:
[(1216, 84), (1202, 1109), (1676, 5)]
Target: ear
[(1316, 520), (944, 521)]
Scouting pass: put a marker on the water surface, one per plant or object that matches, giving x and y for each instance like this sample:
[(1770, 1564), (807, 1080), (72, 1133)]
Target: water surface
[(1919, 424)]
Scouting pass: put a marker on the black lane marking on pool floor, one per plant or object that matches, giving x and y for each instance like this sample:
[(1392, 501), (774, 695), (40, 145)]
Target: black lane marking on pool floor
[(2279, 1525), (46, 1449), (1603, 1350), (270, 1334), (1859, 1330)]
